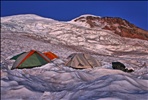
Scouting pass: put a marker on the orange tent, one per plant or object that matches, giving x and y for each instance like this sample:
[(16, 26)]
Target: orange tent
[(50, 55), (31, 59)]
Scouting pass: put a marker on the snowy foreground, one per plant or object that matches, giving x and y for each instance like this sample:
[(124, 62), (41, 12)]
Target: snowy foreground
[(54, 81), (51, 82)]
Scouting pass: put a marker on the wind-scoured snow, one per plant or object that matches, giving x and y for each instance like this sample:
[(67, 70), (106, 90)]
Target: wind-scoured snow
[(24, 17), (55, 81), (83, 21)]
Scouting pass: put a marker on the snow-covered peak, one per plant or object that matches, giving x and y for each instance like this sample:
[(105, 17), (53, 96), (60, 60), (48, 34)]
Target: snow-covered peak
[(88, 15), (117, 25), (84, 17), (24, 17), (84, 20)]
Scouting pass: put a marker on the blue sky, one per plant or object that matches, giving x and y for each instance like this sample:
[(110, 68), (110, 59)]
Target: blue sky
[(135, 12)]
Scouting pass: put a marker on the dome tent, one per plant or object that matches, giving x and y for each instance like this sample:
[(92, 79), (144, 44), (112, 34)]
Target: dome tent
[(16, 56), (82, 61), (50, 55), (30, 59)]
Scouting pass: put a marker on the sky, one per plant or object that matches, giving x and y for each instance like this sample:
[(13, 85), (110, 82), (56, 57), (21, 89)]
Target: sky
[(136, 12)]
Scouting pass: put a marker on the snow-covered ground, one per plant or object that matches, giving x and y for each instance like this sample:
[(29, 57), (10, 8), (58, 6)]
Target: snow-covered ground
[(55, 81), (51, 82)]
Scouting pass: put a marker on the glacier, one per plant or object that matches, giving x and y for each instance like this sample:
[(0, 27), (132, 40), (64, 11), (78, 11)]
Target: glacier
[(55, 81)]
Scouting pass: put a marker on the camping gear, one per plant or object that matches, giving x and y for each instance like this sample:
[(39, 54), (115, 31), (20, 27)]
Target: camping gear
[(50, 55), (81, 61), (30, 59), (120, 66), (16, 56)]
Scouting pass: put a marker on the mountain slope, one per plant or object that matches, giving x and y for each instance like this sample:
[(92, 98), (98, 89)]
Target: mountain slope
[(98, 41), (117, 25), (56, 81)]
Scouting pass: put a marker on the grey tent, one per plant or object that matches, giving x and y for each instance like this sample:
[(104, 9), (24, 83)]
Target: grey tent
[(81, 61)]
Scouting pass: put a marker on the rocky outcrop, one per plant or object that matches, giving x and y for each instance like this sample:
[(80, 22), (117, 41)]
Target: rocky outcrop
[(116, 25)]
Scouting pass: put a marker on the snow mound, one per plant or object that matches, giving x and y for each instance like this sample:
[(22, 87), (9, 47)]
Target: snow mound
[(50, 81)]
